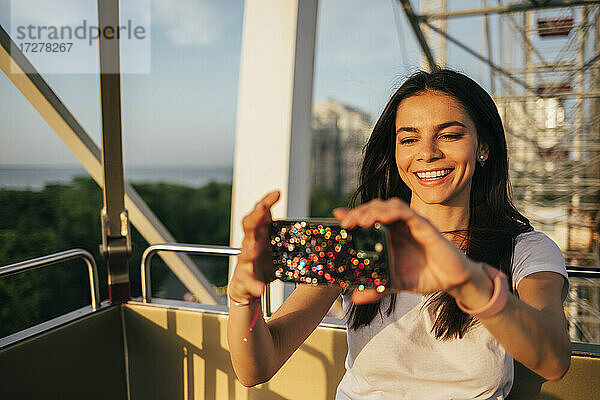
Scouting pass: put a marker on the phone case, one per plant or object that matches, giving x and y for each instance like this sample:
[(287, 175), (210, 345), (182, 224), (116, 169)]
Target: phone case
[(320, 252)]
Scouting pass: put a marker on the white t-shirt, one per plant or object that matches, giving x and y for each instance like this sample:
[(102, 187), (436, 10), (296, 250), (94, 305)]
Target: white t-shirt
[(397, 357)]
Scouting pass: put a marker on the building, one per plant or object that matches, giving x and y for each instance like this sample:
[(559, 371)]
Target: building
[(339, 133)]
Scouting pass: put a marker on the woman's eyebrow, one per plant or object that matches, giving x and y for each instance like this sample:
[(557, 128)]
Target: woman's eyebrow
[(407, 129), (437, 128), (449, 124)]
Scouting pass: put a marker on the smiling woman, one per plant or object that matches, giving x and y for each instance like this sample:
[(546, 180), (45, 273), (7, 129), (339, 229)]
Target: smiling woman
[(475, 287)]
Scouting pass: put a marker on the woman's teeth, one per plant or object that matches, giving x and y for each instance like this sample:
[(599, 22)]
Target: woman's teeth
[(433, 175)]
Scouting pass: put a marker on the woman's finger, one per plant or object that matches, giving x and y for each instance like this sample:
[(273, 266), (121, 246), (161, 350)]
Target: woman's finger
[(372, 215), (376, 210), (365, 296), (350, 220), (392, 211), (261, 209), (340, 213), (271, 198)]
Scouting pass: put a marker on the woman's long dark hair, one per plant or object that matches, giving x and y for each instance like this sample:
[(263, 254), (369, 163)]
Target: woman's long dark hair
[(494, 222)]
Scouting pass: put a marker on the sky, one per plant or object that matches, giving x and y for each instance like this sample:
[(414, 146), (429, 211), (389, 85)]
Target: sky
[(183, 112)]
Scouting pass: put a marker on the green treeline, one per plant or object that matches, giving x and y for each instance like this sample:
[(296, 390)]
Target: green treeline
[(61, 217)]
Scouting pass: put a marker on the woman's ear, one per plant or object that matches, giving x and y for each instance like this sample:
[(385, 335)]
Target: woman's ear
[(483, 150)]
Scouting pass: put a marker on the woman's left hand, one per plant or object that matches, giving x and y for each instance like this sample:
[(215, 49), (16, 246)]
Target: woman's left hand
[(424, 261)]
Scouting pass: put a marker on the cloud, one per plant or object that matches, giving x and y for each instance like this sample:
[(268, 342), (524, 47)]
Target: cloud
[(56, 12), (188, 22)]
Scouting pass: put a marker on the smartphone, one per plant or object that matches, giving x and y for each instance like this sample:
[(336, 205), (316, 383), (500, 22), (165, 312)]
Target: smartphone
[(321, 252)]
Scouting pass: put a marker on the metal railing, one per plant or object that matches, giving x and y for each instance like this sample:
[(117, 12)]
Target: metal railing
[(574, 272), (57, 258), (182, 248), (583, 272)]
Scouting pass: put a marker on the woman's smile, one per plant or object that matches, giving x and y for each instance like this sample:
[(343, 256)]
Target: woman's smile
[(434, 176)]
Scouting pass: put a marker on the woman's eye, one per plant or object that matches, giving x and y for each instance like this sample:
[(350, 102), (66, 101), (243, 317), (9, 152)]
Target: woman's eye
[(407, 141), (451, 136)]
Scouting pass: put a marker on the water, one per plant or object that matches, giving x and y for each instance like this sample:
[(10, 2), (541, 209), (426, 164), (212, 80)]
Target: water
[(35, 178)]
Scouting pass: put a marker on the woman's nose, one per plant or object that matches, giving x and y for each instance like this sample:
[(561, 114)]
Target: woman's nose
[(429, 150)]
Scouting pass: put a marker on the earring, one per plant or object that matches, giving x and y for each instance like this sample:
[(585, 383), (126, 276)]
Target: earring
[(481, 160)]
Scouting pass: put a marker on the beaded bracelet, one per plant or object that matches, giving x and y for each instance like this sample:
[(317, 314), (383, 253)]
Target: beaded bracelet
[(499, 297)]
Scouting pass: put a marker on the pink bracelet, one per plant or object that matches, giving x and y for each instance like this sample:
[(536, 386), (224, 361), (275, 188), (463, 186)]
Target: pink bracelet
[(498, 299)]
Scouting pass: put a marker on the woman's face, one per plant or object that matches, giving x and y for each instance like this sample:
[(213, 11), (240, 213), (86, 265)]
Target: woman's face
[(436, 149)]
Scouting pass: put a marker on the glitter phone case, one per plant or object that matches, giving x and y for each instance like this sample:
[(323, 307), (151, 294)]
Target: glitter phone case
[(320, 252)]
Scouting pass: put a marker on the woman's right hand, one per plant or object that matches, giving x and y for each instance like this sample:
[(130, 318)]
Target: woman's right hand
[(254, 267)]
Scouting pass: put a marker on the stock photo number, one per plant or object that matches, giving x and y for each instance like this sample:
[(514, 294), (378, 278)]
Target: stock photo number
[(45, 47)]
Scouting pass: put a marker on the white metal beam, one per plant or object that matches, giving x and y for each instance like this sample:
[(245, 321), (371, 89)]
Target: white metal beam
[(272, 144)]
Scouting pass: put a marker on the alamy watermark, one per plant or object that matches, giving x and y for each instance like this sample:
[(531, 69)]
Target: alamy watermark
[(61, 36)]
